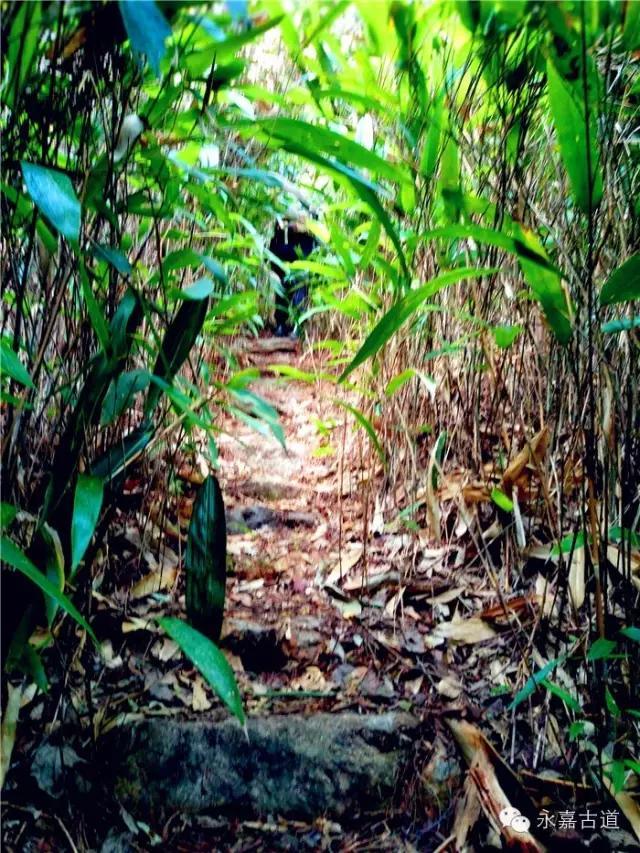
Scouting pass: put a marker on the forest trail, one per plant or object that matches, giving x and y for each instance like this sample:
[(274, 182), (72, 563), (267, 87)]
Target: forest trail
[(283, 529)]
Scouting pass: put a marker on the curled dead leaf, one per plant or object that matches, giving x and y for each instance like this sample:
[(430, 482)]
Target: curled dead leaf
[(465, 631)]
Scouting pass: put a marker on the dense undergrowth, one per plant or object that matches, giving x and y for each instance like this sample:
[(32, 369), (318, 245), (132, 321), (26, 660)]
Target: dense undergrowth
[(471, 172)]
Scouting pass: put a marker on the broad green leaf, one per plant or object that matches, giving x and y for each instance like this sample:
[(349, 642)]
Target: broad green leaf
[(322, 140), (209, 660), (147, 29), (533, 681), (601, 649), (200, 289), (569, 700), (546, 286), (114, 257), (431, 149), (205, 561), (492, 238), (7, 513), (576, 147), (182, 258), (399, 380), (96, 314), (399, 313), (295, 373), (623, 324), (53, 194), (111, 465), (54, 566), (260, 409), (11, 365), (504, 336), (624, 534), (631, 32), (13, 556), (178, 341), (631, 633), (568, 543), (230, 46), (21, 48), (623, 285), (500, 499), (543, 278), (612, 705), (121, 393), (86, 512)]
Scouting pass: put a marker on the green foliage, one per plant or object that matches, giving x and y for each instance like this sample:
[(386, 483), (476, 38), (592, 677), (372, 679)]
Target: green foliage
[(577, 140), (405, 308), (534, 681), (10, 365), (147, 29), (53, 194), (623, 285), (500, 499), (13, 556), (206, 561), (86, 511), (209, 660)]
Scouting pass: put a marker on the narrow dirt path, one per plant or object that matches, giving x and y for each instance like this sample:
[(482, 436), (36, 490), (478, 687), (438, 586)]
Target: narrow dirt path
[(284, 528)]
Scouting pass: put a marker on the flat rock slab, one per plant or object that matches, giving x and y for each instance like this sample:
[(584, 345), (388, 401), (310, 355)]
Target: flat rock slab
[(294, 766)]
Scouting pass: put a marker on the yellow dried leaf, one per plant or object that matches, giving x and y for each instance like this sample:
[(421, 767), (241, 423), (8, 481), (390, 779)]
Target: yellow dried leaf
[(464, 631), (155, 582)]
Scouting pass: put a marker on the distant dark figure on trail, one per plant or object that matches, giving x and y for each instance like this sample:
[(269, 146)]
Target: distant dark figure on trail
[(290, 242)]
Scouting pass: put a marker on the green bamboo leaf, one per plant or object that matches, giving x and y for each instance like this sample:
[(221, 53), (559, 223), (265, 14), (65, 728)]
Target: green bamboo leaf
[(13, 556), (256, 408), (568, 544), (230, 46), (147, 29), (631, 633), (322, 140), (500, 499), (96, 314), (367, 426), (53, 194), (399, 313), (7, 514), (182, 258), (601, 649), (11, 365), (86, 512), (209, 660), (437, 121), (21, 48), (622, 324), (570, 123), (114, 257), (205, 561), (533, 681), (492, 238), (111, 465), (569, 700), (121, 393), (178, 341), (200, 289), (505, 336), (623, 285), (399, 381), (544, 279), (631, 32)]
